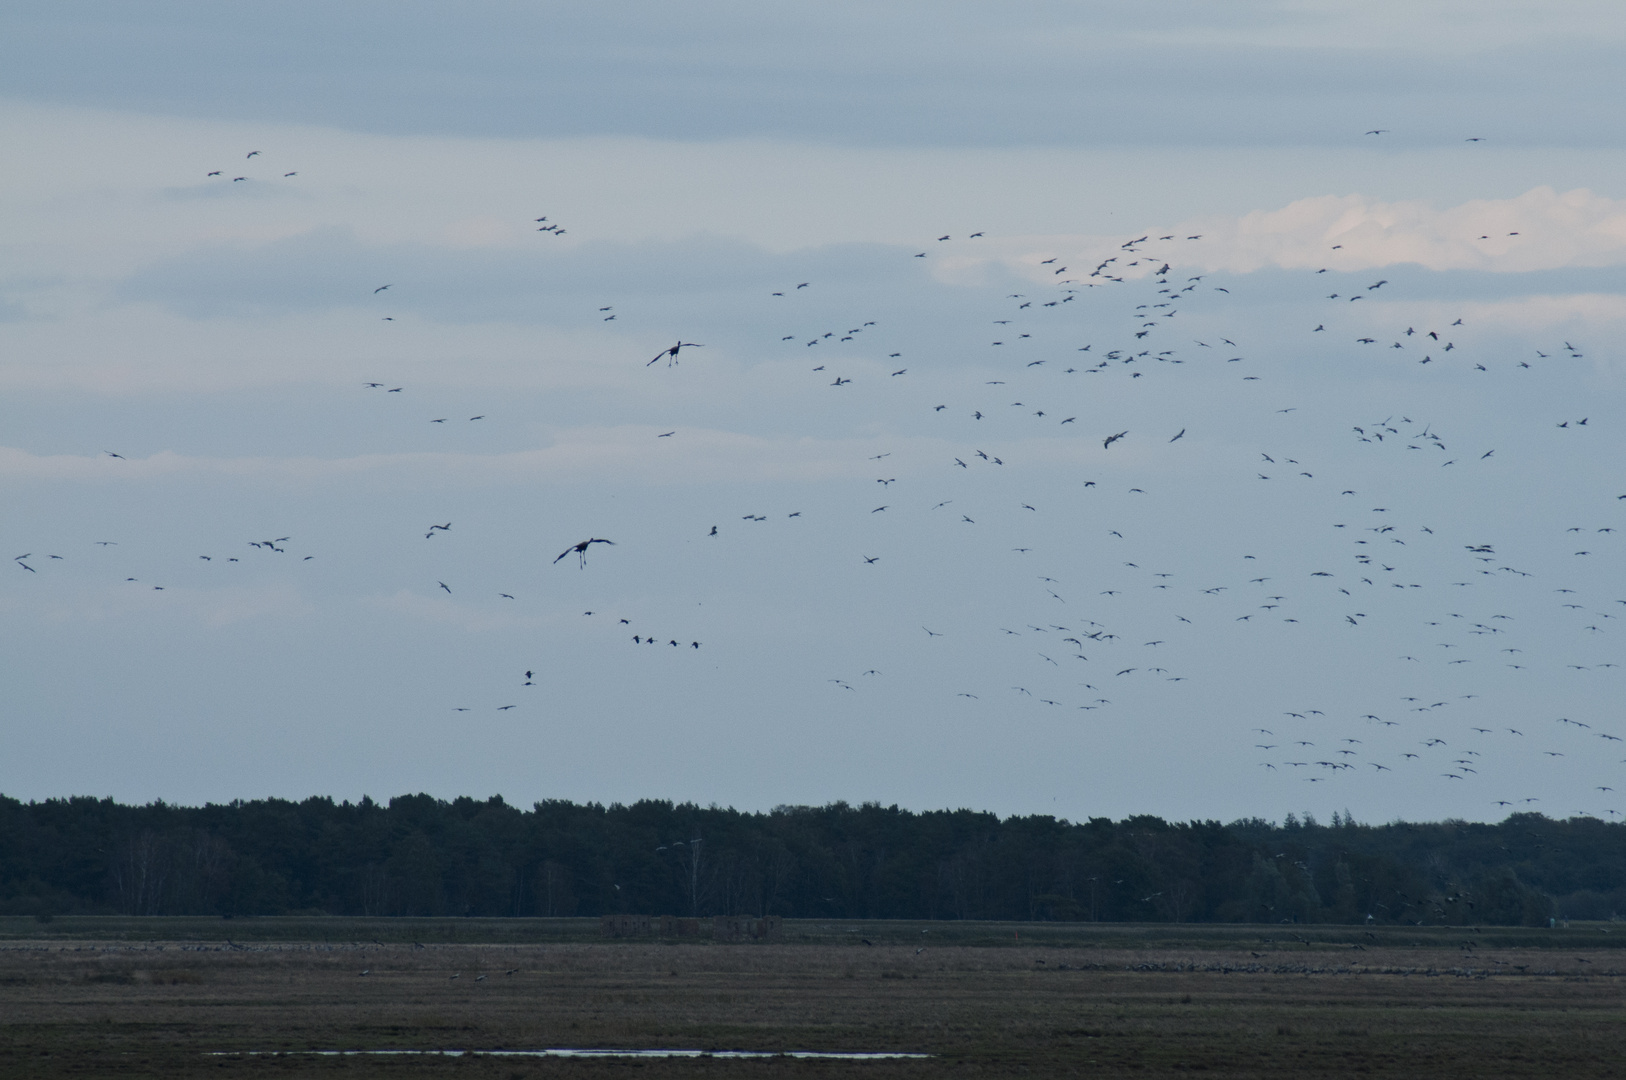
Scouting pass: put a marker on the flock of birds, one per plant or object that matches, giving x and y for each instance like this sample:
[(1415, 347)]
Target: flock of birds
[(1139, 623)]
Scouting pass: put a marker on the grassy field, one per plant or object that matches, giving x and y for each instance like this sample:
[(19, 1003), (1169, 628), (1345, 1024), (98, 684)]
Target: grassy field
[(162, 997)]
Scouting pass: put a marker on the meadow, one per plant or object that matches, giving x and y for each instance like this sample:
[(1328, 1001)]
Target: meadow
[(209, 997)]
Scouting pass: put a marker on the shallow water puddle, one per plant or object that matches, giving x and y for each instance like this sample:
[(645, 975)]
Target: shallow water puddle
[(825, 1055)]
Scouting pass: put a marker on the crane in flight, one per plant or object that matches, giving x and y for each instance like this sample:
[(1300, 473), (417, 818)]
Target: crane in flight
[(581, 548), (671, 353)]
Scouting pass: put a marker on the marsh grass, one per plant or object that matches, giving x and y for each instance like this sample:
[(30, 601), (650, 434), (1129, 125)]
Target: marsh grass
[(1231, 1002)]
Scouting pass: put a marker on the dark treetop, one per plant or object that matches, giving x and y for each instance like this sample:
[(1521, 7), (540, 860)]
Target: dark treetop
[(417, 855)]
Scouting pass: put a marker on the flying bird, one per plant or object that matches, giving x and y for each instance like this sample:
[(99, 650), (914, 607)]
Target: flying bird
[(580, 550), (671, 353)]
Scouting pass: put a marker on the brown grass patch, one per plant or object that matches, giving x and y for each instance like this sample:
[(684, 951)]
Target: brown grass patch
[(1252, 1008)]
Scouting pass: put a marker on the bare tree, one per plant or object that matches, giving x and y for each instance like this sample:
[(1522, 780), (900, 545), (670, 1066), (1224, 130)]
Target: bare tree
[(139, 872), (374, 883)]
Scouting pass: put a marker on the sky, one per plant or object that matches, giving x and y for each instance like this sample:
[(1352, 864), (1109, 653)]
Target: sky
[(1209, 411)]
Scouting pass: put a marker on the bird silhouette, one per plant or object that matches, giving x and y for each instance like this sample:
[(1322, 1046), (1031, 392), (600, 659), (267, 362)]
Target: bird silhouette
[(671, 352), (581, 550)]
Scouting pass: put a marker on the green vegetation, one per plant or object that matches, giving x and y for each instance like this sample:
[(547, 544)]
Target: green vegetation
[(420, 857)]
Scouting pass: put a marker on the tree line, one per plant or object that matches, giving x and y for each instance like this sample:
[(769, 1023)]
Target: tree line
[(421, 856)]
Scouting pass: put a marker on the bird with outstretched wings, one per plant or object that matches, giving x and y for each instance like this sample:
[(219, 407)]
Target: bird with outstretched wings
[(671, 352), (581, 549)]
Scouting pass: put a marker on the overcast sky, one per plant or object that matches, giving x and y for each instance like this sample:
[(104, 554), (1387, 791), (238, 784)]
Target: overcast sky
[(1347, 280)]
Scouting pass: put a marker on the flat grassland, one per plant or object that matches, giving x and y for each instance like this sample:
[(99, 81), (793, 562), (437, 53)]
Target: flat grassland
[(181, 998)]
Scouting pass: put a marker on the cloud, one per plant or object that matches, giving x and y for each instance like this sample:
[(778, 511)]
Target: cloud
[(1576, 228), (627, 453), (951, 73), (444, 609), (1532, 313), (1537, 231), (465, 279), (213, 608)]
